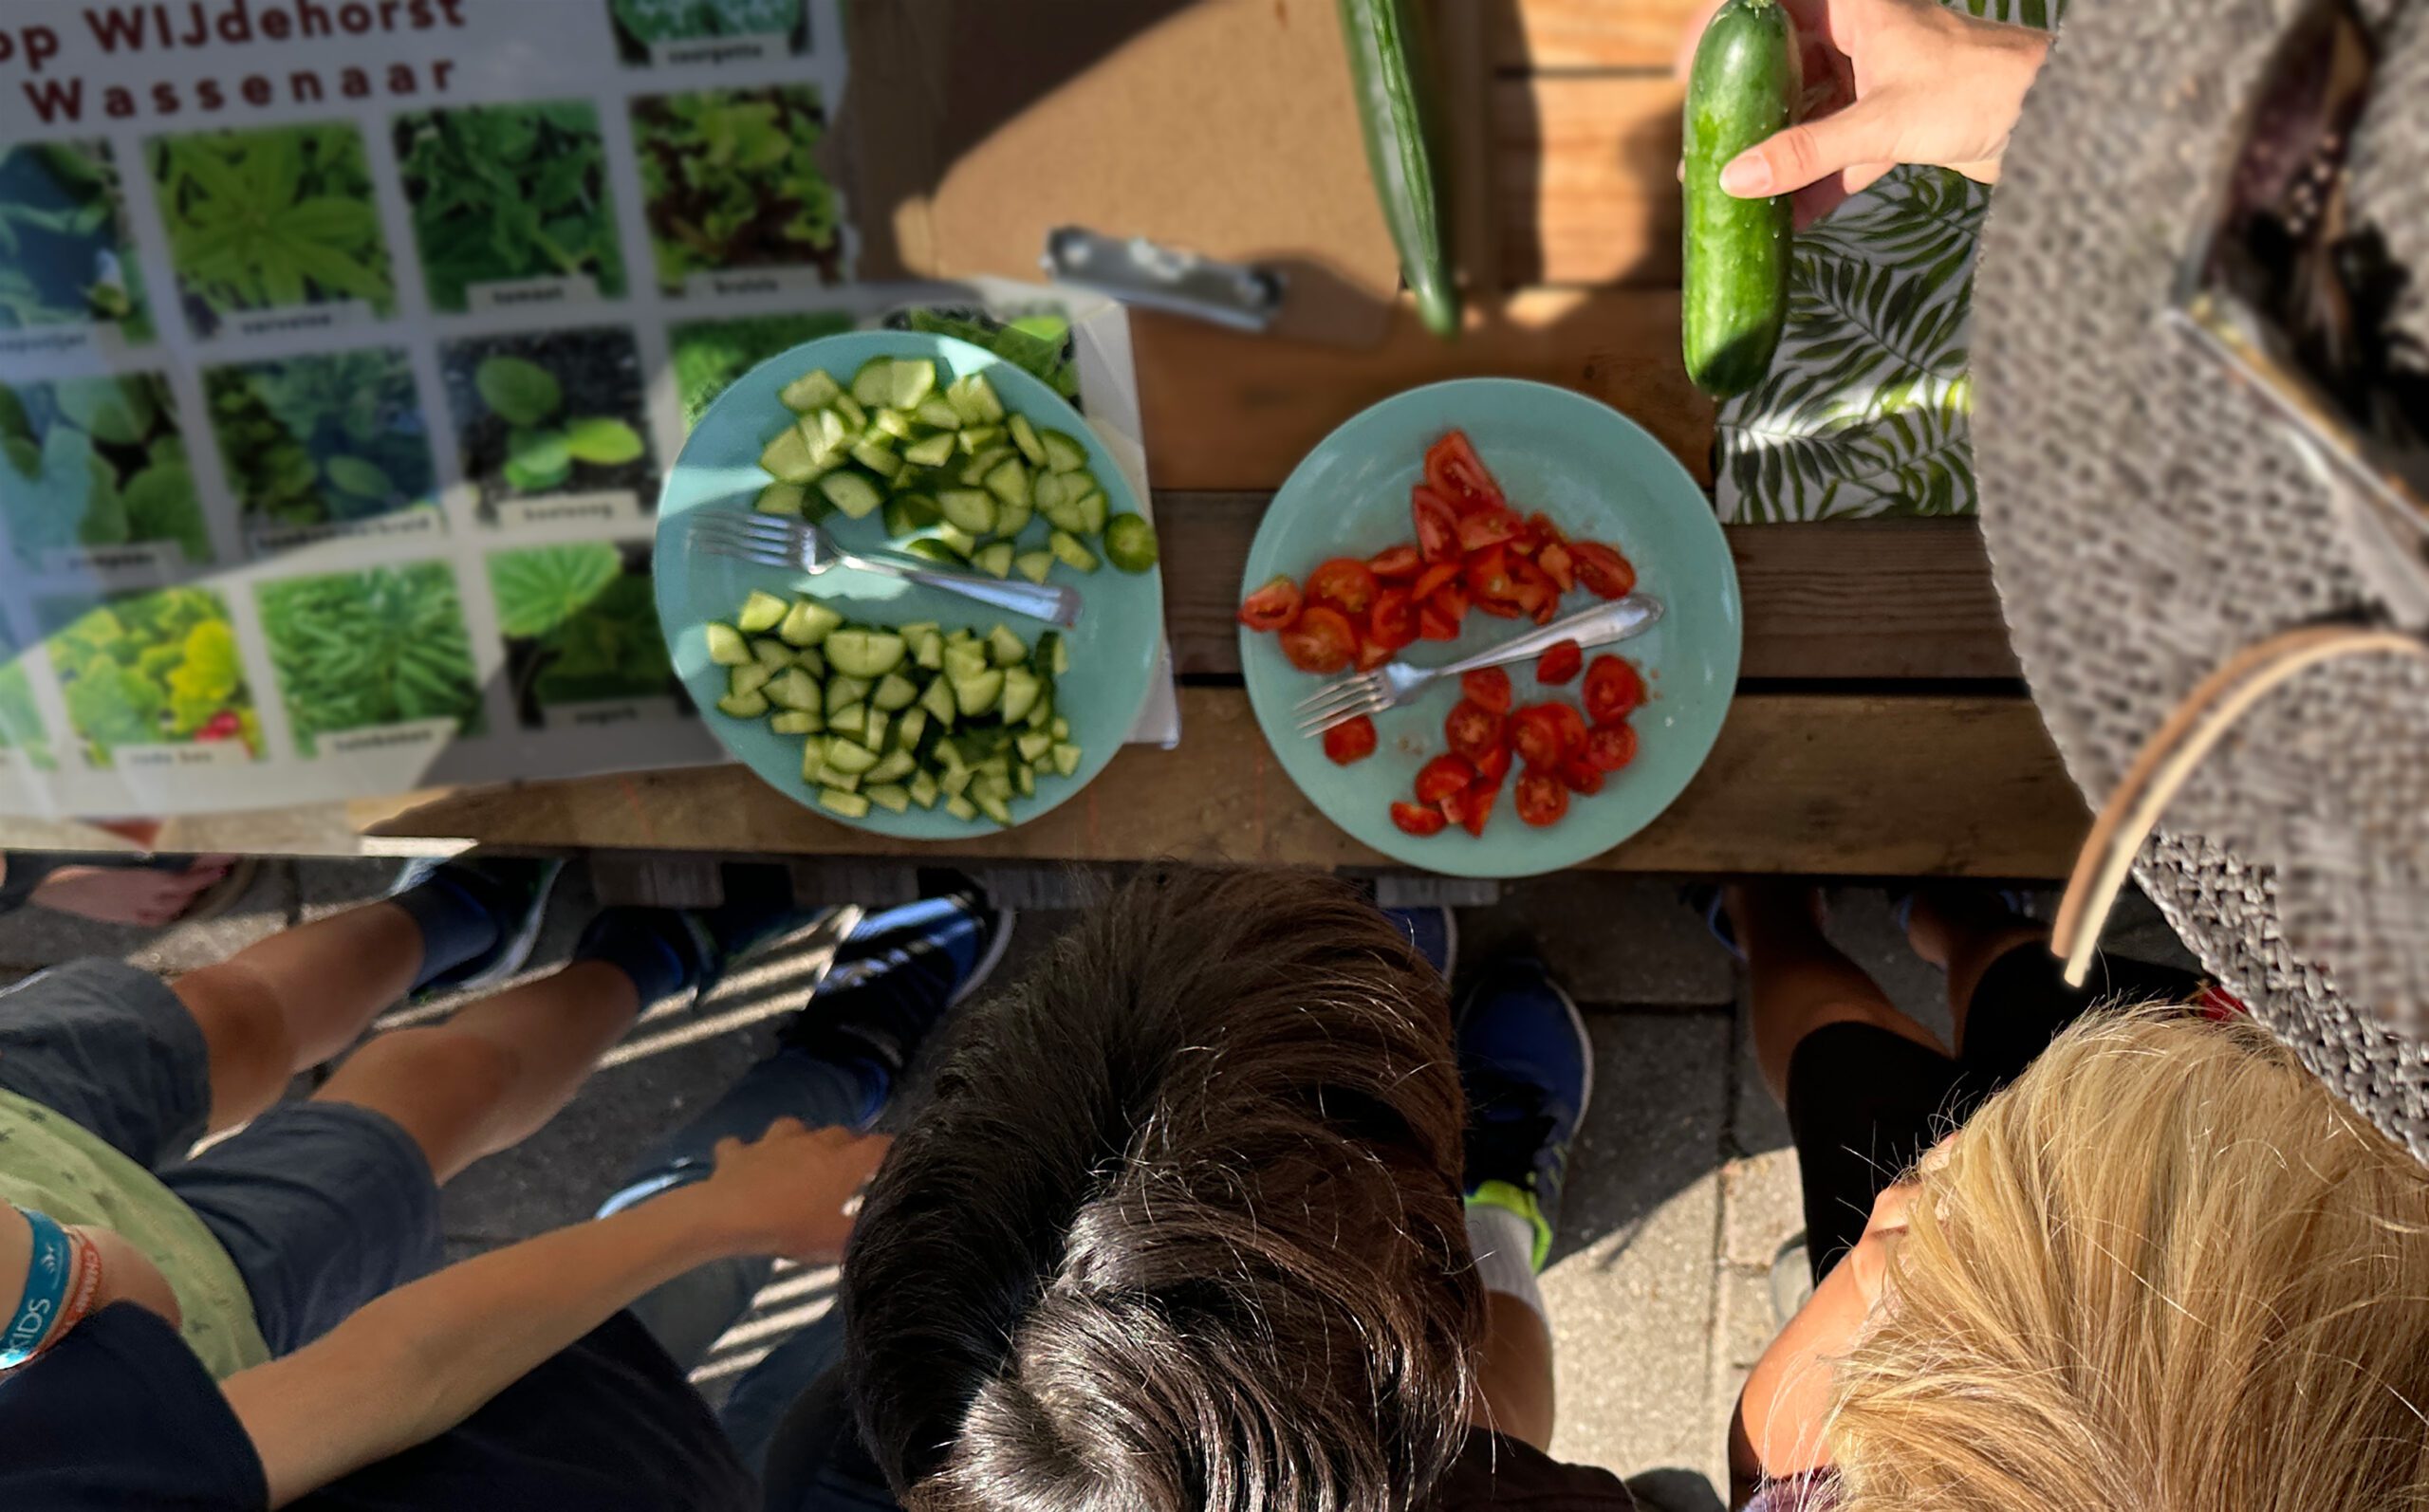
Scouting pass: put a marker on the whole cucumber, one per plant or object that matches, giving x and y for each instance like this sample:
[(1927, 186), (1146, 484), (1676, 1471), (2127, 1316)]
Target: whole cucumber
[(1390, 70), (1743, 88)]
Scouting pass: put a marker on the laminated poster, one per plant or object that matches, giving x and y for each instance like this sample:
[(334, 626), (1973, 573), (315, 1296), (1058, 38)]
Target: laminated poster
[(343, 344)]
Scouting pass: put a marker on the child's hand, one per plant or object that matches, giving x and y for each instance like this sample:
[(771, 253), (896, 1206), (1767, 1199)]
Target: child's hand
[(788, 1192)]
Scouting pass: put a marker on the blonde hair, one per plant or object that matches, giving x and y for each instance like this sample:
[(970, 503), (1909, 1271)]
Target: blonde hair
[(2164, 1271)]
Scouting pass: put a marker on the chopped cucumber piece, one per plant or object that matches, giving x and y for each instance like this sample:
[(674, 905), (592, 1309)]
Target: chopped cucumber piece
[(748, 678), (851, 806), (1062, 729), (852, 493), (811, 662), (961, 809), (864, 652), (807, 622), (1062, 454), (894, 767), (794, 688), (923, 790), (909, 513), (848, 758), (1043, 714), (743, 706), (1020, 688), (933, 453), (813, 389), (934, 550), (961, 542), (937, 698), (894, 691), (1033, 745), (833, 435), (978, 695), (759, 612), (908, 729), (769, 652), (788, 457), (1034, 565), (1011, 519), (1006, 649), (873, 384), (826, 776), (1067, 547), (978, 438), (1024, 780), (964, 661), (877, 459), (1054, 652), (1047, 491), (842, 691), (968, 509), (813, 759), (1009, 482), (915, 379), (1130, 541), (1066, 757), (888, 797), (995, 559), (930, 651), (852, 719), (995, 807), (873, 730), (780, 498), (957, 781), (1025, 436), (974, 470), (934, 412), (847, 410), (1091, 512), (894, 424), (726, 647), (795, 722), (983, 395)]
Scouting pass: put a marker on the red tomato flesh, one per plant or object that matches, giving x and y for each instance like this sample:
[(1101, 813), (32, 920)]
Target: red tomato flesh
[(1443, 776), (1275, 607), (1561, 661), (1605, 572), (1321, 641), (1396, 563), (1611, 747), (1345, 583), (1353, 742), (1535, 735), (1612, 689), (1416, 821), (1542, 800), (1489, 686), (1471, 730), (1392, 623), (1438, 524)]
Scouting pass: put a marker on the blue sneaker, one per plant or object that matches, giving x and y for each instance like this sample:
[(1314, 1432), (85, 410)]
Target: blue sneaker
[(1527, 1066), (1435, 932), (894, 978), (669, 951), (514, 893)]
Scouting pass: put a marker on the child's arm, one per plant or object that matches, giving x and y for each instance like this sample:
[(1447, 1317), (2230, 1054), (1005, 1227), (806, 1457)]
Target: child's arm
[(421, 1360)]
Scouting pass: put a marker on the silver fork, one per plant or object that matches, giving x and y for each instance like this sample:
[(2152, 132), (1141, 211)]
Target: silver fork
[(1396, 683), (775, 540)]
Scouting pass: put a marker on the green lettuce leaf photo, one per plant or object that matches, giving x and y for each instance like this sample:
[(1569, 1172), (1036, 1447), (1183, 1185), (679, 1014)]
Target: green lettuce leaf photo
[(145, 669), (507, 193), (67, 253), (555, 412), (359, 649), (271, 219), (580, 624), (731, 180), (321, 440), (95, 462)]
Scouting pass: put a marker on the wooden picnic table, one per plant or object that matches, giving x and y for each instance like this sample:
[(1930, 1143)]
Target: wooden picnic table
[(1880, 727)]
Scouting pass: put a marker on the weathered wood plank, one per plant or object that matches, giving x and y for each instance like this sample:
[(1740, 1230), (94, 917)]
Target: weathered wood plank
[(1841, 598), (1539, 34), (1839, 784), (1227, 410), (1586, 172)]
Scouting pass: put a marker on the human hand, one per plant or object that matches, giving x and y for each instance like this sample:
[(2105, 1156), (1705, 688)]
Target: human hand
[(787, 1192), (115, 895), (1887, 82)]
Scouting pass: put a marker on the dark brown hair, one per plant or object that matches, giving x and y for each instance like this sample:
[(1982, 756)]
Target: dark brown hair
[(1182, 1227)]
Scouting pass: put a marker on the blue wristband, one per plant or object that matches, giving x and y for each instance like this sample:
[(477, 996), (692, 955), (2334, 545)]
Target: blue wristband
[(46, 1289)]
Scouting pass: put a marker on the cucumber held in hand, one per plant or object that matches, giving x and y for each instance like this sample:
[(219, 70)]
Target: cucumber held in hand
[(1742, 90), (1388, 69)]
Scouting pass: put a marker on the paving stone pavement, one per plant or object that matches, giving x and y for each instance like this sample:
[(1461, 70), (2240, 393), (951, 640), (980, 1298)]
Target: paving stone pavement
[(1682, 1190)]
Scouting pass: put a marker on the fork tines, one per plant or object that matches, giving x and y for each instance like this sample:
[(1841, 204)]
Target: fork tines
[(752, 524), (1341, 702)]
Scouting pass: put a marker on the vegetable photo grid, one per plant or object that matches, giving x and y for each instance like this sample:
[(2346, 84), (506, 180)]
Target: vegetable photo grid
[(331, 430), (1867, 408)]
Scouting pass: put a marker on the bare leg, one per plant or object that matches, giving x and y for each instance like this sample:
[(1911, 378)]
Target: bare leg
[(296, 999), (1515, 1372), (1800, 982), (1962, 930), (496, 1072)]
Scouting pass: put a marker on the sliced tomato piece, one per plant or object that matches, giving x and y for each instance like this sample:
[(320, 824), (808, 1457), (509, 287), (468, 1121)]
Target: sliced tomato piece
[(1562, 660), (1453, 806), (1489, 583), (1524, 541), (1393, 622), (1535, 735), (1345, 583), (1611, 747), (1495, 765), (1581, 776), (1542, 800), (1396, 563), (1534, 590), (1605, 572), (1442, 776), (1612, 689), (1275, 607), (1489, 686), (1432, 624), (1454, 469), (1557, 564), (1438, 524), (1480, 800), (1371, 654), (1323, 640), (1547, 530), (1471, 730), (1451, 600), (1572, 726), (1430, 582), (1485, 526), (1353, 742), (1413, 820)]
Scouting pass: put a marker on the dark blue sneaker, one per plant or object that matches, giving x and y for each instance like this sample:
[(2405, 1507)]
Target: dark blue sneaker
[(1527, 1066), (894, 978), (1435, 932), (513, 891), (669, 951)]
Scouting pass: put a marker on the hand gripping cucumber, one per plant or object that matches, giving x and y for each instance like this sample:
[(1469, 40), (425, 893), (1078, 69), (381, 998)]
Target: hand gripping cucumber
[(1743, 89)]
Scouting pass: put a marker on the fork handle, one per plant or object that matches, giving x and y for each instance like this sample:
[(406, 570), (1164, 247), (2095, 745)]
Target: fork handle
[(1055, 605), (1598, 626)]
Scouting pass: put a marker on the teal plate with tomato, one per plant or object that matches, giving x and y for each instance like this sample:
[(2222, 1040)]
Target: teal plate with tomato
[(1600, 476), (1114, 648)]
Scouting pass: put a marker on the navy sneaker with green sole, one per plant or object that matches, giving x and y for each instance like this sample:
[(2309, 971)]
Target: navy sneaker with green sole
[(1527, 1066), (895, 977), (513, 890)]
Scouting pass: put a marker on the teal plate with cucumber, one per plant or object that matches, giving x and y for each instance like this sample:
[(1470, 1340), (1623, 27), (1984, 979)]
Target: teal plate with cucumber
[(1598, 476), (899, 707)]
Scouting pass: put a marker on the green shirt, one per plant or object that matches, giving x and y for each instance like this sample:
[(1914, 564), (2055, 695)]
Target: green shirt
[(50, 1163)]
